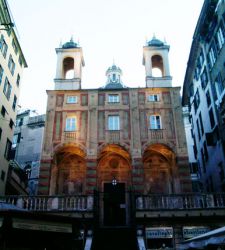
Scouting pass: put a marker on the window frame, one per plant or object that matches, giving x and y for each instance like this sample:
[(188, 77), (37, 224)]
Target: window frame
[(113, 122), (113, 98), (7, 89), (71, 124), (71, 99), (8, 146), (11, 65), (1, 74), (3, 46), (153, 98), (156, 123), (14, 102)]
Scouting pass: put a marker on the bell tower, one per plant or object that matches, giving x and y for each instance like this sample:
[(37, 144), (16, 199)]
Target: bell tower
[(156, 62), (69, 66)]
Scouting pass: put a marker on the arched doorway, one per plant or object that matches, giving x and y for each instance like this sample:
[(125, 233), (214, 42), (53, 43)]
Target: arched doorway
[(114, 179), (68, 176), (160, 171)]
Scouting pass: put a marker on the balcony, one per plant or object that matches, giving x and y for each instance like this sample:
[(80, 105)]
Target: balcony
[(113, 136), (70, 136), (180, 204), (40, 203), (155, 134)]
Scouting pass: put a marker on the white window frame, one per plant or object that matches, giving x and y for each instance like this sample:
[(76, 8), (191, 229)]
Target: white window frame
[(155, 122), (153, 98), (113, 122), (113, 98), (220, 37), (7, 89), (72, 99), (71, 124)]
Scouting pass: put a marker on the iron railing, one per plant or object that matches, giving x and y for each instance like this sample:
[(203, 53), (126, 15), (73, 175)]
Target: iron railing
[(180, 201), (50, 203)]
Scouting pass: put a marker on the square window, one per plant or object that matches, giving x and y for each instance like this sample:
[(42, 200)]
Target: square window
[(153, 98), (113, 98), (71, 99), (113, 122)]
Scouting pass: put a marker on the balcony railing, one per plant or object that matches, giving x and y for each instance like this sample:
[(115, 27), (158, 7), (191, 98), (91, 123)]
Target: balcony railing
[(113, 136), (156, 134), (181, 201), (50, 203), (70, 136)]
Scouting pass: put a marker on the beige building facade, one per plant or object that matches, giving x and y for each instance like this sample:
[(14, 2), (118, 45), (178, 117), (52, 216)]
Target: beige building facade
[(128, 136), (12, 63)]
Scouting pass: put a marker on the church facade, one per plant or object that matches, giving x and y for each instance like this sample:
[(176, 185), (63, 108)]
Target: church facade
[(133, 137)]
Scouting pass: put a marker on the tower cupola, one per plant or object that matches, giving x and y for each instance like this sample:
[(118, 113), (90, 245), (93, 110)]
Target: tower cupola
[(113, 75), (69, 66), (156, 62)]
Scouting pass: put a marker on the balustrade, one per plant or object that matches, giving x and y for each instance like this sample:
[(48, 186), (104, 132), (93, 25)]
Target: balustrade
[(156, 134), (113, 136), (189, 201), (50, 203), (70, 136)]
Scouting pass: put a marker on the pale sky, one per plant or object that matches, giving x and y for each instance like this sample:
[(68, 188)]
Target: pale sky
[(106, 30)]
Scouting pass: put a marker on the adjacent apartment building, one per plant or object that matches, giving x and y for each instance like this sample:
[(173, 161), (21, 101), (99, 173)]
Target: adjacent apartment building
[(204, 95), (12, 63), (27, 145)]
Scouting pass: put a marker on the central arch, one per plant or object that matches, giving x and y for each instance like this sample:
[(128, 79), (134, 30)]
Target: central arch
[(113, 179), (113, 163)]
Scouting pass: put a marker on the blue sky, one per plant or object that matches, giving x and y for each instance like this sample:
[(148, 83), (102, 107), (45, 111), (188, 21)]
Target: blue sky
[(105, 29)]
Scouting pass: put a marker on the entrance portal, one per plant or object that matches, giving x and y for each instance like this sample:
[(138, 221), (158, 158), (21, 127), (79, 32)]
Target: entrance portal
[(114, 204)]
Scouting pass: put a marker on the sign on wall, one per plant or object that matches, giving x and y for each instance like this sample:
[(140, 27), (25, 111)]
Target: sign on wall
[(159, 232), (190, 232)]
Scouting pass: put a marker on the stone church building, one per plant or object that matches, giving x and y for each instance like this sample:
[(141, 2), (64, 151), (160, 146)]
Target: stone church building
[(129, 138)]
